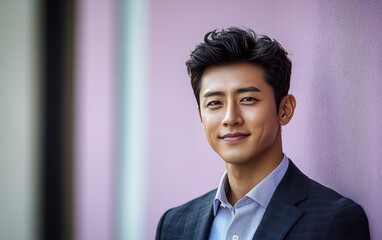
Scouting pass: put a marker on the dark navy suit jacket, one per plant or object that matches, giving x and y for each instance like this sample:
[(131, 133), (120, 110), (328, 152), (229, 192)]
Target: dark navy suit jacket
[(300, 208)]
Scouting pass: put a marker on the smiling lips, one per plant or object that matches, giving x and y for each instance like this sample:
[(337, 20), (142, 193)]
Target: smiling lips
[(234, 137)]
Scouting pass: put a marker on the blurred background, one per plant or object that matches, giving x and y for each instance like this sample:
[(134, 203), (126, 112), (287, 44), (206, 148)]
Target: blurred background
[(99, 133)]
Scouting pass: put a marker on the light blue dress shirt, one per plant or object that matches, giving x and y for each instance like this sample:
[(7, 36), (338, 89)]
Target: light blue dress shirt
[(240, 222)]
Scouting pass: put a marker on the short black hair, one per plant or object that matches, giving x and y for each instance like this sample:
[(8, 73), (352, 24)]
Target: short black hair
[(241, 45)]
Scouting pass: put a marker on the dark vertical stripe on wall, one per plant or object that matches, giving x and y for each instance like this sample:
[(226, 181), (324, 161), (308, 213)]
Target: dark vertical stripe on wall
[(56, 182), (52, 203), (68, 127)]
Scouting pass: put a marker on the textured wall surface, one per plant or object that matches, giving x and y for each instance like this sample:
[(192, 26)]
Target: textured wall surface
[(335, 136)]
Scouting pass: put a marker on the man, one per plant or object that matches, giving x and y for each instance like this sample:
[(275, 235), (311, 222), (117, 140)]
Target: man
[(241, 83)]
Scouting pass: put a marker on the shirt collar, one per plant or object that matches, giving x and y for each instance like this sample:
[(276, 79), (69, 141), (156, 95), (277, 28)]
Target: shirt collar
[(221, 196), (261, 193)]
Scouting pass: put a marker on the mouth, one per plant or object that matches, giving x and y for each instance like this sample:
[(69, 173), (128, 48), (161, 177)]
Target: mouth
[(234, 137)]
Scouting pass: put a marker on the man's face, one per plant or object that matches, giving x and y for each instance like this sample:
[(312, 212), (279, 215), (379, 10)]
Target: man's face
[(238, 112)]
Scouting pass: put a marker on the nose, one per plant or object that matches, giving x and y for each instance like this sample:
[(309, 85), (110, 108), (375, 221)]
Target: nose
[(232, 116)]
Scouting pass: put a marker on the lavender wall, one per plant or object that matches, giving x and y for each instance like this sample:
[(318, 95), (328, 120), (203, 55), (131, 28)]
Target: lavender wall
[(335, 136), (95, 118)]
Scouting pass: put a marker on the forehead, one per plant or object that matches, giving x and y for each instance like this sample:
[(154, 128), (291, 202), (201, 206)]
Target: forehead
[(235, 76)]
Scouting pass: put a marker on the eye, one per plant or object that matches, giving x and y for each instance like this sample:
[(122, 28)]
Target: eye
[(249, 100), (214, 104)]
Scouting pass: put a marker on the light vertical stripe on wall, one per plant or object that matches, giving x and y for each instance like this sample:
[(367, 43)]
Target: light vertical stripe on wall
[(19, 113), (94, 120), (134, 95)]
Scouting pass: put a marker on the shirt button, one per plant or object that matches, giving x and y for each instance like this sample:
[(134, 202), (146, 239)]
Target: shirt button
[(235, 237), (222, 205)]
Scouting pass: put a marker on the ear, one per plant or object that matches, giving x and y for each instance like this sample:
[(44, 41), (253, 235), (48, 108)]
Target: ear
[(286, 109)]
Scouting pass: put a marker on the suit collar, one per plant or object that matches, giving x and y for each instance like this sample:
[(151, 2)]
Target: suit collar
[(199, 223), (282, 212)]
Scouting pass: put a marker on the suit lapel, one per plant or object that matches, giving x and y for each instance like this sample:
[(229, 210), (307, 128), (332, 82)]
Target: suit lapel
[(198, 223), (282, 212)]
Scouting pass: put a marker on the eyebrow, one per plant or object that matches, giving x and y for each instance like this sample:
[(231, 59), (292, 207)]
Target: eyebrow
[(248, 89), (239, 90)]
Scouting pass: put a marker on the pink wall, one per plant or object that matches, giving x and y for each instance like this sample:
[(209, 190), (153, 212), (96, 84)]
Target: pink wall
[(335, 136), (95, 118)]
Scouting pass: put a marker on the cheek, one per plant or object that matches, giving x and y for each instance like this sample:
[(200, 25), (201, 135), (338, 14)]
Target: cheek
[(210, 122), (264, 121), (260, 119), (211, 125), (271, 127)]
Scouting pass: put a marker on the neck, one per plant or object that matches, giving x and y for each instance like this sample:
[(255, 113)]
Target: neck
[(245, 176)]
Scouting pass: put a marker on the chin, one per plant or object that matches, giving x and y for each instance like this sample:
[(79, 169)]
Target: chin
[(235, 159)]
